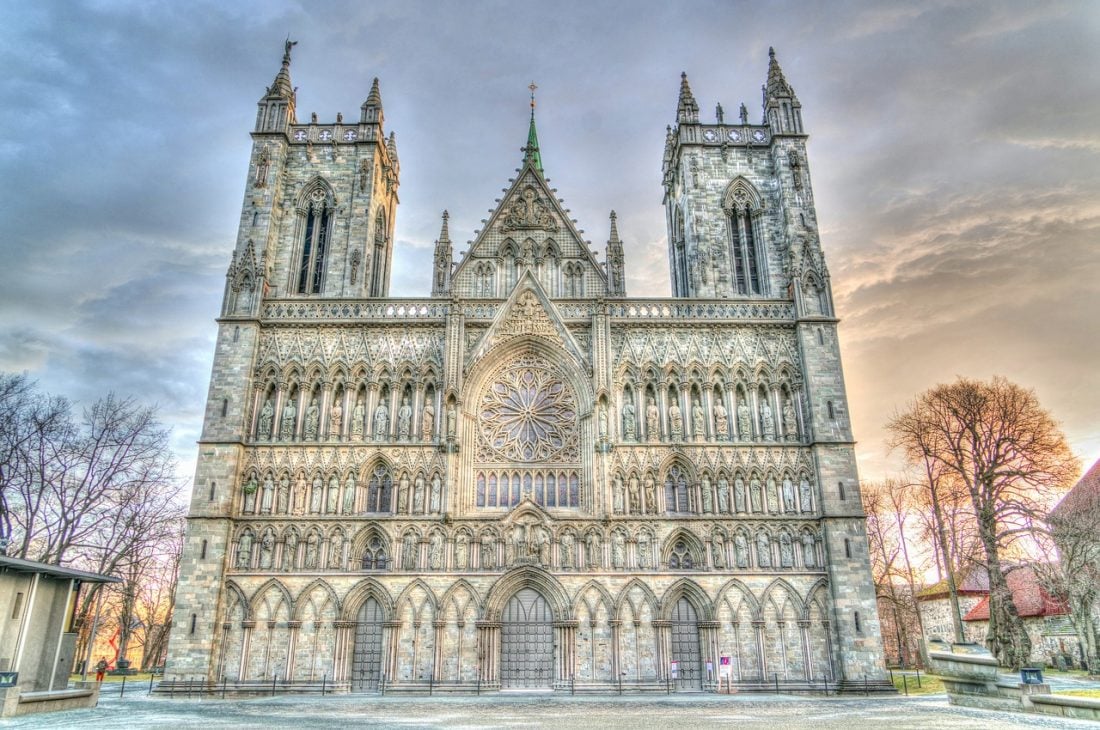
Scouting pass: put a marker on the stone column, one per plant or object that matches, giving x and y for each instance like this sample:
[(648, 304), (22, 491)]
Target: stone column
[(737, 649), (277, 417), (292, 628), (246, 646), (663, 629), (807, 655), (567, 650), (708, 411), (662, 412), (341, 650), (322, 415), (616, 625), (257, 406), (708, 640), (762, 655), (437, 644), (391, 643), (418, 409), (488, 652)]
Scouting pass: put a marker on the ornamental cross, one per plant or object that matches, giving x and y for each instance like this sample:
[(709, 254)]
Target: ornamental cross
[(532, 87)]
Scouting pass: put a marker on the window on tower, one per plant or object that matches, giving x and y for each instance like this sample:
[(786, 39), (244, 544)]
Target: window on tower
[(311, 271), (377, 279), (742, 207)]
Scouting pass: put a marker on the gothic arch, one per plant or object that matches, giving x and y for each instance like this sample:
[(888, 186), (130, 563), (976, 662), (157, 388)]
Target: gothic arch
[(741, 194), (237, 598), (693, 543), (689, 589), (406, 595), (315, 183), (604, 597), (624, 597), (528, 577), (303, 598), (360, 593), (779, 585), (818, 593), (457, 588), (736, 586), (276, 586)]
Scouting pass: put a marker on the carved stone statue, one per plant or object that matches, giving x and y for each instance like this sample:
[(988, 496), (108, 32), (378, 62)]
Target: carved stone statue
[(381, 422), (718, 552), (806, 496), (767, 422), (788, 495), (290, 412), (437, 494), (630, 424), (744, 422), (708, 498), (652, 421), (790, 422), (349, 495), (357, 415), (697, 420), (313, 420), (741, 550), (544, 547), (403, 495), (267, 413), (676, 422), (268, 495), (517, 548), (721, 422), (617, 495), (244, 551), (567, 550), (318, 496), (635, 505), (404, 419), (290, 552), (650, 495), (333, 495), (427, 422), (284, 494), (786, 554), (460, 551), (452, 421), (335, 419), (418, 496), (763, 550), (435, 552), (643, 550), (313, 544), (809, 553), (592, 550), (300, 497), (723, 495), (618, 551), (773, 496), (739, 495), (249, 489), (409, 552), (336, 552), (756, 496), (488, 552), (601, 421)]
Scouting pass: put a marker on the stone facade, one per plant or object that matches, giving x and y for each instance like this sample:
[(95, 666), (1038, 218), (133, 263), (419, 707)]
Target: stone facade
[(526, 479)]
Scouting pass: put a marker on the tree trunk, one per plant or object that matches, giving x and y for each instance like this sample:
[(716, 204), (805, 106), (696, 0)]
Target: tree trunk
[(1007, 638)]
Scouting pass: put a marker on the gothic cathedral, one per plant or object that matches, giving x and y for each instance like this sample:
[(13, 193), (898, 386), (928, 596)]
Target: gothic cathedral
[(527, 479)]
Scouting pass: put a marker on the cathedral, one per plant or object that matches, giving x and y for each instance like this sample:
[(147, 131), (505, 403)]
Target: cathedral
[(528, 478)]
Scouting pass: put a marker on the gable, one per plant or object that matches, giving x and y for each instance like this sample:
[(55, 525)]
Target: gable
[(529, 228)]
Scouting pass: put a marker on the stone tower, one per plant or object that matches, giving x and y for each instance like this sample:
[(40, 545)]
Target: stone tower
[(527, 478)]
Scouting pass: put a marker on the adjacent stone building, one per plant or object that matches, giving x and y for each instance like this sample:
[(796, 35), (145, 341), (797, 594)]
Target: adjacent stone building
[(527, 479)]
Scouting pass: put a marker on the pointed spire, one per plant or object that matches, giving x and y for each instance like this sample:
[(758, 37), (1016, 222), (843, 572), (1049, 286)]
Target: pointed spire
[(616, 286), (281, 87), (371, 109), (531, 151), (444, 258), (444, 233), (614, 228), (687, 111), (777, 82), (374, 98)]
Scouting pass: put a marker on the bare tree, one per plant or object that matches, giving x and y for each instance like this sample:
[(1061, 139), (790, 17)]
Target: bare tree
[(1075, 576), (1010, 458)]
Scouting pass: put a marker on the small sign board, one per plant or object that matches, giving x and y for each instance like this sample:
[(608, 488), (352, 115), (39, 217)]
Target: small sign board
[(724, 666), (9, 679), (674, 669)]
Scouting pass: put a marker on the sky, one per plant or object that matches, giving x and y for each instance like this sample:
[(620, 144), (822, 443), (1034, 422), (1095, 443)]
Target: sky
[(954, 151)]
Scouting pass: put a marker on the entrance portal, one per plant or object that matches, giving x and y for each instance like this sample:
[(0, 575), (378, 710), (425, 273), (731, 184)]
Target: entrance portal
[(685, 645), (366, 661), (526, 642)]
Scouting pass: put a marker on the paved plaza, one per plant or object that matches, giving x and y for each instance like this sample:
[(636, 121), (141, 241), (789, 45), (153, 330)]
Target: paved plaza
[(137, 710)]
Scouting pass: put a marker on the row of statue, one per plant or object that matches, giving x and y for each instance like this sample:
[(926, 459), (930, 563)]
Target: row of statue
[(415, 497), (528, 544), (382, 430), (766, 428), (635, 496)]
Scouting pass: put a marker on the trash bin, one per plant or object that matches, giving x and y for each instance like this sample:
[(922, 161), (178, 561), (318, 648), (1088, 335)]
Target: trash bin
[(1031, 675)]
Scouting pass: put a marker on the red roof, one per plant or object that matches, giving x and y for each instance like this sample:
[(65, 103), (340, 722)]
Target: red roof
[(1028, 595), (1085, 494), (970, 581)]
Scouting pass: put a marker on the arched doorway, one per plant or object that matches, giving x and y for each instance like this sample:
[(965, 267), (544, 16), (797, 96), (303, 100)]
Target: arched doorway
[(526, 641), (366, 661), (685, 645)]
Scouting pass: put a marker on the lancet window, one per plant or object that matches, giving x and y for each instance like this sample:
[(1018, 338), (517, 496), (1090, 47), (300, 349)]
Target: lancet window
[(315, 240), (745, 240)]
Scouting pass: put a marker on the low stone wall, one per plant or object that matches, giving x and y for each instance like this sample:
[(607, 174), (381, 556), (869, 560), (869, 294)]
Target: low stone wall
[(1084, 708), (80, 696)]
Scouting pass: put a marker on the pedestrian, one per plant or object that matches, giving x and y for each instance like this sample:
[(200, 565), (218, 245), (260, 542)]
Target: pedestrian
[(100, 669)]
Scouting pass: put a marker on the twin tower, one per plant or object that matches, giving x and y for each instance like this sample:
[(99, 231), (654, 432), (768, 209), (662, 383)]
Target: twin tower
[(527, 478)]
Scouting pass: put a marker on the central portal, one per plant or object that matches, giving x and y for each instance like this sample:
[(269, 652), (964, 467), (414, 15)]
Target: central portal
[(527, 642)]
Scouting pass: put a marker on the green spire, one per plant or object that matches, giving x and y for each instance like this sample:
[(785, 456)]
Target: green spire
[(531, 151)]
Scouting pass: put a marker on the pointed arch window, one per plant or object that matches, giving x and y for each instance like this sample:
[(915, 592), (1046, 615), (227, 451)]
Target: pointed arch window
[(379, 490), (742, 207), (311, 268), (378, 260)]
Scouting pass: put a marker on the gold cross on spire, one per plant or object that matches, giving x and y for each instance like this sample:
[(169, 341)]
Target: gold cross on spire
[(532, 87)]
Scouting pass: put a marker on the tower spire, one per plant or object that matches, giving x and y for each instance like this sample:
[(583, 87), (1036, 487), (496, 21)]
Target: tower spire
[(531, 151), (371, 109), (616, 286), (277, 104), (441, 275), (687, 111), (782, 110)]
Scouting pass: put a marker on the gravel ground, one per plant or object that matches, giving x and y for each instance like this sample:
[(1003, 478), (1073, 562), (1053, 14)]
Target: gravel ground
[(552, 711)]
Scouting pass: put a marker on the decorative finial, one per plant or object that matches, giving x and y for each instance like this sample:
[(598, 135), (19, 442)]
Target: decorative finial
[(532, 87), (771, 52), (286, 50)]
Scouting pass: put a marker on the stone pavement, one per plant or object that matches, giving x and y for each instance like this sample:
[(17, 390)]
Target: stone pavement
[(137, 710)]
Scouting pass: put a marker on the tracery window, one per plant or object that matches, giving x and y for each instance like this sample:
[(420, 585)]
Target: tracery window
[(680, 558), (742, 209), (374, 556), (379, 490), (378, 262), (311, 270), (676, 491)]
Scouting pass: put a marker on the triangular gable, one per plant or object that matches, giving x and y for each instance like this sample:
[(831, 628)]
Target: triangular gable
[(528, 312), (529, 210), (527, 508)]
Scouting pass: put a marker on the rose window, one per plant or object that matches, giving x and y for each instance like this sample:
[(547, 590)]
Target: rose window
[(527, 414)]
